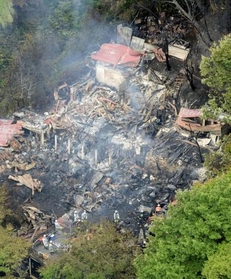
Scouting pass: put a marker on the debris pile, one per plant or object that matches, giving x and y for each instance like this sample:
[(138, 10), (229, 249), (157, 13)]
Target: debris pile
[(28, 181), (109, 143), (154, 31), (107, 150), (8, 130)]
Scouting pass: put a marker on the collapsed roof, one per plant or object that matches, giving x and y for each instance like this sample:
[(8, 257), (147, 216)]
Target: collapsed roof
[(190, 113), (191, 120), (8, 131), (117, 54)]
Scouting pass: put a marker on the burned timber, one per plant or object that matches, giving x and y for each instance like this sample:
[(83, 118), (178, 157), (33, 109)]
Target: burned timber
[(110, 142), (103, 151)]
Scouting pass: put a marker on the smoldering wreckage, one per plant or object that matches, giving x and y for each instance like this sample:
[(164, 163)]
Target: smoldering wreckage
[(115, 139)]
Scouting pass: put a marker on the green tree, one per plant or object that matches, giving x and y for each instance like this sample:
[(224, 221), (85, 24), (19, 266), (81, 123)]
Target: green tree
[(64, 19), (6, 12), (215, 71), (99, 253), (220, 160), (218, 265), (191, 233), (47, 43), (12, 249)]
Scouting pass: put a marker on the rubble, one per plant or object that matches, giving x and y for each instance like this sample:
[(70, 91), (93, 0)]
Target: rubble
[(118, 153), (149, 37), (20, 165), (8, 131), (28, 181), (33, 122), (110, 142), (193, 121)]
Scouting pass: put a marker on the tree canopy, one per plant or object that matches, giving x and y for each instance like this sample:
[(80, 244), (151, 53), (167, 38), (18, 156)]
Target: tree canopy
[(215, 71), (218, 265), (6, 12), (189, 239), (12, 249), (218, 161), (98, 253)]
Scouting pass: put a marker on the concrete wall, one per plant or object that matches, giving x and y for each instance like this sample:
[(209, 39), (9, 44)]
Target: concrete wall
[(109, 76)]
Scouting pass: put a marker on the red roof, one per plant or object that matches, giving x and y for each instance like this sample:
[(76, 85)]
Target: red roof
[(117, 54), (190, 113), (8, 131)]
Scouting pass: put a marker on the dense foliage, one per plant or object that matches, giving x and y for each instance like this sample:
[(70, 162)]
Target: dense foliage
[(47, 43), (215, 71), (6, 12), (12, 249), (218, 265), (219, 161), (195, 234), (101, 252)]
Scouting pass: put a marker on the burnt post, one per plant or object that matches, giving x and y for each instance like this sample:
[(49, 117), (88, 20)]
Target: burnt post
[(96, 157), (42, 138), (56, 142), (82, 151), (166, 52), (69, 146), (194, 138), (109, 158), (189, 70)]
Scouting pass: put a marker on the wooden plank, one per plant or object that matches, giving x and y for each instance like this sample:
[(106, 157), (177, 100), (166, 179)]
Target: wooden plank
[(177, 52), (196, 127)]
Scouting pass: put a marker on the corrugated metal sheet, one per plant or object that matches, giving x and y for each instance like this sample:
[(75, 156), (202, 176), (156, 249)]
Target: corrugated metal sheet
[(117, 54), (190, 113), (8, 131)]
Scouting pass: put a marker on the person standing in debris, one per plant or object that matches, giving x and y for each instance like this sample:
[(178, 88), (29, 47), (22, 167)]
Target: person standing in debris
[(45, 241), (76, 216), (51, 247), (84, 216), (116, 216), (51, 237), (141, 219), (158, 209), (141, 238), (57, 226)]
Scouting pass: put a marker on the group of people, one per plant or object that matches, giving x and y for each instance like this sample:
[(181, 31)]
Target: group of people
[(77, 218), (48, 242)]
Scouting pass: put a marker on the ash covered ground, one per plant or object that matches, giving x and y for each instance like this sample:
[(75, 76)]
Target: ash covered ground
[(125, 154)]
